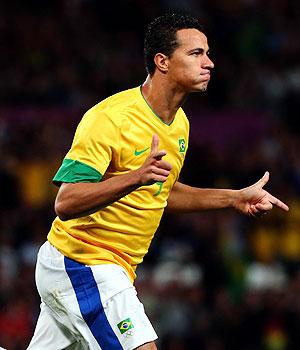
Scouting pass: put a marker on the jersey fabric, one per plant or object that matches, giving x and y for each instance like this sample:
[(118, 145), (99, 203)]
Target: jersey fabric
[(113, 138)]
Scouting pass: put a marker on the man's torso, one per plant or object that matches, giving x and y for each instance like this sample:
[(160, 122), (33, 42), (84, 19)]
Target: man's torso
[(114, 138)]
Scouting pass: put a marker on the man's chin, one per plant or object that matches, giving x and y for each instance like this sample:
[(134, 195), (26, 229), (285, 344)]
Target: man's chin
[(200, 88)]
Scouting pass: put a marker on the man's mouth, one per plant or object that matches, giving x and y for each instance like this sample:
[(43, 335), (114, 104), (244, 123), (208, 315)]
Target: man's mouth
[(205, 76)]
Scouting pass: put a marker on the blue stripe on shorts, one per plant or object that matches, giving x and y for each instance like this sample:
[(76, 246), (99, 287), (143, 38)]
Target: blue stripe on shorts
[(90, 305)]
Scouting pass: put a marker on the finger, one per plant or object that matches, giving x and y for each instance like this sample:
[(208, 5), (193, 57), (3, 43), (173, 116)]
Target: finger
[(158, 155), (256, 212), (162, 172), (154, 144), (261, 182), (159, 178), (163, 165), (263, 207), (278, 203), (252, 211)]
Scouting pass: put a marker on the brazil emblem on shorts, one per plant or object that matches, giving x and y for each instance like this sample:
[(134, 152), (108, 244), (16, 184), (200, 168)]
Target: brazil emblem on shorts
[(125, 325), (182, 145)]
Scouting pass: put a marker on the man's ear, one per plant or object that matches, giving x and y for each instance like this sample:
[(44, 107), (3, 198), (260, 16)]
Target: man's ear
[(162, 62)]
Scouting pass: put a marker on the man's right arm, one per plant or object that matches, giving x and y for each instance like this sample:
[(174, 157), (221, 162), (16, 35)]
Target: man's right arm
[(80, 199)]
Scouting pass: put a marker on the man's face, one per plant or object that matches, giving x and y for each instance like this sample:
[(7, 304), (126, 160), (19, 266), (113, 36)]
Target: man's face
[(189, 65)]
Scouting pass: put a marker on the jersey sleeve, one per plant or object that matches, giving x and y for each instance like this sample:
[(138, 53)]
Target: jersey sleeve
[(94, 146)]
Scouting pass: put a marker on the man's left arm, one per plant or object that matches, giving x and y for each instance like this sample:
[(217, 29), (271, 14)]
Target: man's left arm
[(253, 200)]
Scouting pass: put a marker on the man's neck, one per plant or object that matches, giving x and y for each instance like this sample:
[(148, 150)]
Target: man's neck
[(162, 98)]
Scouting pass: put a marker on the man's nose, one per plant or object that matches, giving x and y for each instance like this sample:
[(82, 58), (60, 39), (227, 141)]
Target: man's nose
[(209, 63)]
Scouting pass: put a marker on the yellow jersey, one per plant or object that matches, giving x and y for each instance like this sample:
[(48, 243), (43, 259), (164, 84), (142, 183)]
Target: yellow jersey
[(113, 138)]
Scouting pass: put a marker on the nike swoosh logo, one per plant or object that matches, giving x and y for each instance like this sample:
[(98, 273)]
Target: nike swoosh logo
[(137, 153)]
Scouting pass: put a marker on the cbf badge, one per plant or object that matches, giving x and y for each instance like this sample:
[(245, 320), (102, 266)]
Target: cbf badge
[(182, 146)]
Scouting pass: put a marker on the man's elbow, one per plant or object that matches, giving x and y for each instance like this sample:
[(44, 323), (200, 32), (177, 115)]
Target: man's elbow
[(62, 210)]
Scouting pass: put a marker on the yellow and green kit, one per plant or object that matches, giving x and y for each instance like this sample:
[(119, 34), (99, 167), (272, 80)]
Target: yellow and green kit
[(113, 138)]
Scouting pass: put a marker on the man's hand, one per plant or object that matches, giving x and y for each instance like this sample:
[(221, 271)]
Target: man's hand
[(154, 168), (255, 201)]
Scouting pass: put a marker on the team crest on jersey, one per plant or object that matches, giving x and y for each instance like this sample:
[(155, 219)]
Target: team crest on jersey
[(182, 145), (126, 327)]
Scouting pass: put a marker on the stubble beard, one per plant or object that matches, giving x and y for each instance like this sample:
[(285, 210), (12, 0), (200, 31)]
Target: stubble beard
[(203, 88)]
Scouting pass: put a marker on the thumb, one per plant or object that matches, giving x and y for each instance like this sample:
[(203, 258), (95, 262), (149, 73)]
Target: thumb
[(261, 182), (154, 144)]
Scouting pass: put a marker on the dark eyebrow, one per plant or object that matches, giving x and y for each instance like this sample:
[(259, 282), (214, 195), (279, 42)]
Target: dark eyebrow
[(197, 49)]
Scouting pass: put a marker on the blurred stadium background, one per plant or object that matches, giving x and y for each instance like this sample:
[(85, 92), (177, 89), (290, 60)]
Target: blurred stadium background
[(214, 281)]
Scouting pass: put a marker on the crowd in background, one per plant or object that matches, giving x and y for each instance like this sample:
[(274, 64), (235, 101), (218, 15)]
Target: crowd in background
[(213, 281)]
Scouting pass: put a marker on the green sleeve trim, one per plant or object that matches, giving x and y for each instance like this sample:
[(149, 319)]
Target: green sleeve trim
[(74, 171)]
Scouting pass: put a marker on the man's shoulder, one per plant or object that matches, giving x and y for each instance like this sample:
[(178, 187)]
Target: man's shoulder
[(117, 101), (114, 106), (183, 117)]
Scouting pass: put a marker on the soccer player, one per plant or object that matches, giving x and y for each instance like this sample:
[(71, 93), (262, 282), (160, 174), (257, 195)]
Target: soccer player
[(117, 179)]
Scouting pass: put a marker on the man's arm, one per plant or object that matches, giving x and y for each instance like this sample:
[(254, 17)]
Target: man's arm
[(252, 200), (79, 199)]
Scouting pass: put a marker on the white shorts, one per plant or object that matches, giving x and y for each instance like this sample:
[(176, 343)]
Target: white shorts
[(87, 307)]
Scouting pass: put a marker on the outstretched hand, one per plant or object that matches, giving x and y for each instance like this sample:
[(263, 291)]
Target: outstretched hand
[(255, 201)]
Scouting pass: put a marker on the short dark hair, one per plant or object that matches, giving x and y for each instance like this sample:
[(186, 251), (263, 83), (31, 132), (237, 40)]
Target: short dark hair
[(161, 36)]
